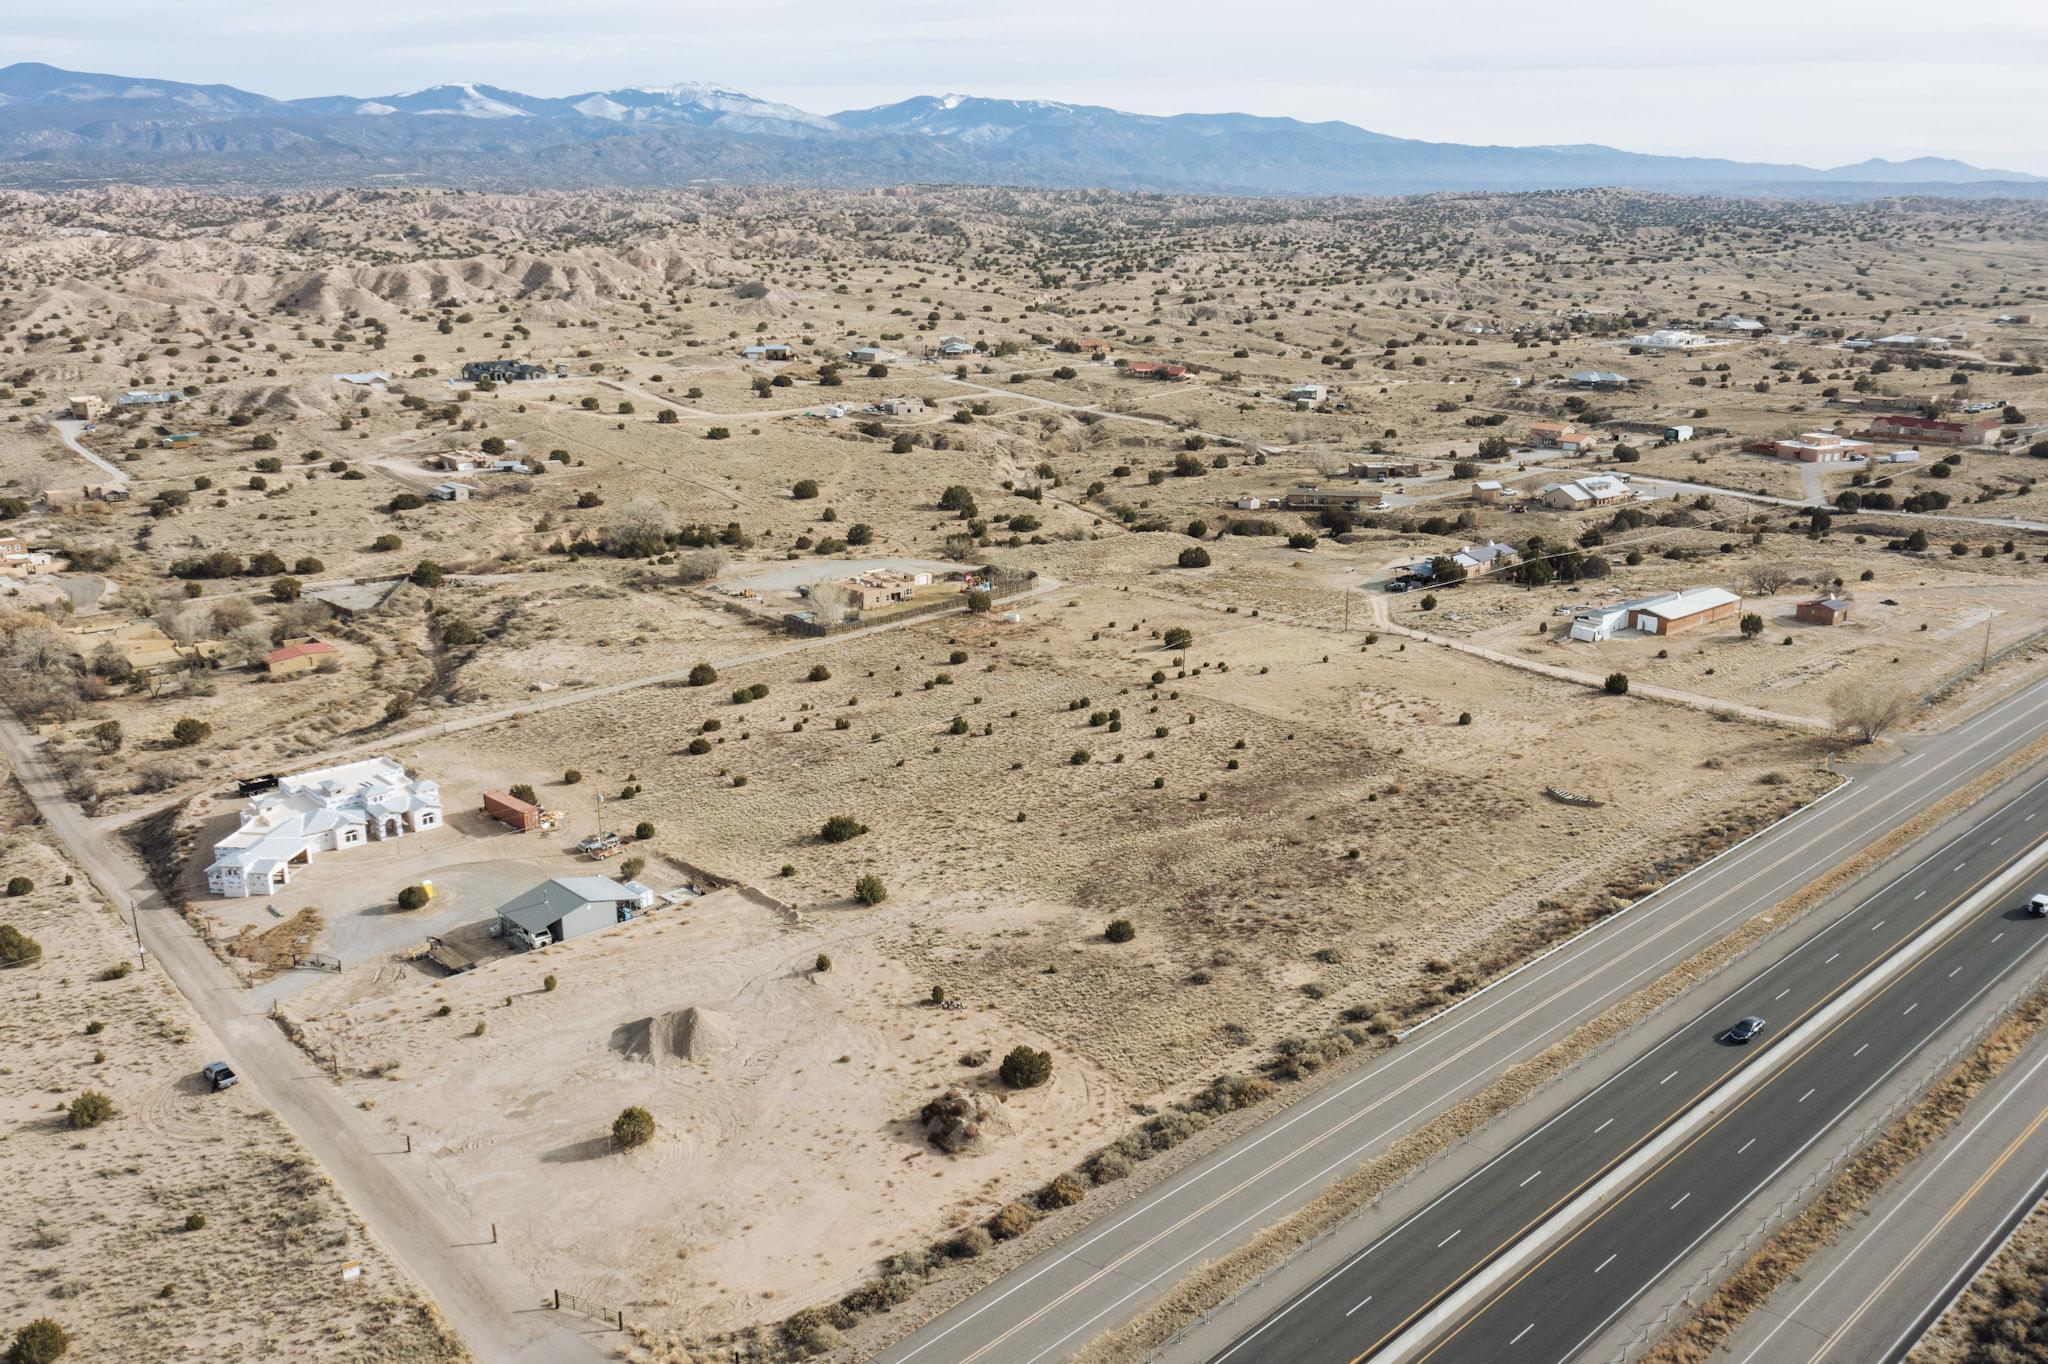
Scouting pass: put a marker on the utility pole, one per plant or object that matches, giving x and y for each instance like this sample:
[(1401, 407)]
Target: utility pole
[(1984, 660)]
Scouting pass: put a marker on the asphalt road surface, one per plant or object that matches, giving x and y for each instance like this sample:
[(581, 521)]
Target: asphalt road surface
[(1552, 1309), (1868, 1297), (1100, 1276)]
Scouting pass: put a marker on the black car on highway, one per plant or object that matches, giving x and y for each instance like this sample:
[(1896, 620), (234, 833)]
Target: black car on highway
[(1744, 1030)]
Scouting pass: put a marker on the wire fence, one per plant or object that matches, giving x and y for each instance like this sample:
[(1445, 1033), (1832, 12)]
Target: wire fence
[(1789, 1204), (570, 1302)]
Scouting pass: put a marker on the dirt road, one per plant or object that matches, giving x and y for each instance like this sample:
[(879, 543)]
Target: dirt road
[(472, 1281)]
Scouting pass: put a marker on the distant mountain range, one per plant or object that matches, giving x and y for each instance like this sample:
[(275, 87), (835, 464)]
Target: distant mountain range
[(63, 128)]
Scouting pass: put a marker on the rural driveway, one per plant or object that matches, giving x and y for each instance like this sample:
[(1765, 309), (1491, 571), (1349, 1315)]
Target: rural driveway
[(480, 1293), (68, 431)]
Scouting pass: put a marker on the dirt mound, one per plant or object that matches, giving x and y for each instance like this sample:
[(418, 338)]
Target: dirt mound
[(960, 1123), (691, 1034)]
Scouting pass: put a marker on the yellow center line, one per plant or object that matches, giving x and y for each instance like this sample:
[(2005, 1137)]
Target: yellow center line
[(1954, 1210), (1737, 1107)]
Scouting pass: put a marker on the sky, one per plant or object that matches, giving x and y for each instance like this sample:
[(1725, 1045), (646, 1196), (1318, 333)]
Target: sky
[(1820, 82)]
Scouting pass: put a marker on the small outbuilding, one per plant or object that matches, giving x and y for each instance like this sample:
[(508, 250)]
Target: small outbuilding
[(298, 656), (569, 907), (1822, 611), (510, 811)]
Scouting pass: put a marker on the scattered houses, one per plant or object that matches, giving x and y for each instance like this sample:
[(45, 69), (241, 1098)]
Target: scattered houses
[(1670, 338), (569, 907), (1482, 559), (900, 407), (85, 407), (1676, 434), (142, 397), (1384, 470), (17, 560), (1488, 491), (1307, 395), (142, 646), (320, 811), (63, 499), (882, 587), (1822, 611), (451, 492), (767, 350), (301, 655), (1603, 379)]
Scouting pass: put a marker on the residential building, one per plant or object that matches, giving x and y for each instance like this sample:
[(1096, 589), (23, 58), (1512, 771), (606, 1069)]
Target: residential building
[(1597, 378), (1813, 447), (502, 371), (1670, 338), (569, 907), (767, 350), (1384, 470), (1822, 611), (1675, 434), (1562, 436), (1735, 322), (1488, 491), (451, 492), (882, 587), (142, 646), (900, 407), (954, 348), (85, 407), (301, 655), (1679, 612), (1910, 342), (142, 397), (872, 355), (1315, 496), (320, 811), (17, 560), (1668, 613), (59, 499), (1307, 395), (1480, 560), (1158, 369), (459, 461), (176, 439), (1594, 490), (1938, 431)]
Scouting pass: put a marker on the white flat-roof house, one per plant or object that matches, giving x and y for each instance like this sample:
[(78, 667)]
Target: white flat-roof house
[(321, 811)]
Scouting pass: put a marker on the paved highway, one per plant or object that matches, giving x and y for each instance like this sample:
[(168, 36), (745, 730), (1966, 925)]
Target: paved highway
[(1101, 1276), (1870, 1295), (1565, 1298)]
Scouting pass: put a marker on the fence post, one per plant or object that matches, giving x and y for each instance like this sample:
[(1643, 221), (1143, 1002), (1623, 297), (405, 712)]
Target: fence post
[(558, 1299)]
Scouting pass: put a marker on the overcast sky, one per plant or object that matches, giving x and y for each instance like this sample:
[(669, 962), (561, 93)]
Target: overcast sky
[(1816, 81)]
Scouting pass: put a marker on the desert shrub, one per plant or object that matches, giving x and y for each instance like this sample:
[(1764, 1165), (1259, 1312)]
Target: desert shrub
[(1616, 684), (1179, 637), (120, 970), (1012, 1220), (1194, 556), (18, 886), (1228, 1093), (16, 947), (412, 897), (548, 982), (633, 1127), (703, 675), (804, 490), (820, 673), (1120, 930), (823, 964), (841, 828), (1107, 1167), (195, 1221), (1065, 1191), (42, 1341), (526, 793), (869, 890), (698, 747), (571, 777), (972, 1242), (89, 1109), (190, 731), (1025, 1068), (643, 830)]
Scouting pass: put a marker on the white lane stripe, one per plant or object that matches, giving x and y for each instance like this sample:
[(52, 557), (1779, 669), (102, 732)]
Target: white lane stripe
[(1606, 1262), (1525, 1183), (1745, 1146), (1523, 1332), (1452, 1237), (1681, 1198), (1361, 1302)]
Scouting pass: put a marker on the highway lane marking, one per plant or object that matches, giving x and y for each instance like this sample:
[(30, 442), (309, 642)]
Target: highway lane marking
[(1880, 923), (1603, 1127), (1525, 1183), (1807, 1095), (1910, 1007), (1718, 1121), (1859, 1051), (1968, 744), (1606, 1262), (1940, 912), (1361, 1302), (1786, 991), (2000, 935), (1681, 1198), (1909, 1199), (1921, 896), (1952, 974), (1745, 1146), (1448, 1239), (1523, 1332), (1669, 1078), (1959, 866), (1830, 960)]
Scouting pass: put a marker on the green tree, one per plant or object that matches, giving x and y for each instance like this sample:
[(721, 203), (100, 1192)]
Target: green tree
[(18, 948), (1120, 930), (285, 589), (190, 731), (841, 828), (1751, 625), (703, 675), (1179, 637), (804, 489), (1025, 1068), (1616, 684), (107, 736), (412, 897), (869, 890), (1194, 556), (426, 573)]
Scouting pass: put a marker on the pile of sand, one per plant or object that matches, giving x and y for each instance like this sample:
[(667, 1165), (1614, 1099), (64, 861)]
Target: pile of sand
[(691, 1034)]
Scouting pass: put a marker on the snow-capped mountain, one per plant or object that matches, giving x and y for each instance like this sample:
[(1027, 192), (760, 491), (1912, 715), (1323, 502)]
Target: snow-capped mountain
[(697, 105), (68, 127)]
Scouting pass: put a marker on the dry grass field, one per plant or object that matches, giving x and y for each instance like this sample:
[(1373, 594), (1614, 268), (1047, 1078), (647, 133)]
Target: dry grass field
[(1304, 814)]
